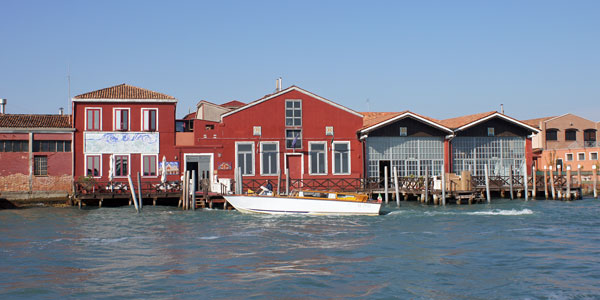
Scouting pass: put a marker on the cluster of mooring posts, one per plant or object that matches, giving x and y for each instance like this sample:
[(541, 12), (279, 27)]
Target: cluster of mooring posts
[(438, 190), (450, 188)]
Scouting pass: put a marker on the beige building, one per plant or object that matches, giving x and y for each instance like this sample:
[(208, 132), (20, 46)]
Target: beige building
[(566, 140)]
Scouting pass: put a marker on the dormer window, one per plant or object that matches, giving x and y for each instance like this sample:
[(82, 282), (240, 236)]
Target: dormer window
[(121, 119), (403, 131)]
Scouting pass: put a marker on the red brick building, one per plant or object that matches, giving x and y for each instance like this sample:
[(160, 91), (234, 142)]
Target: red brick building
[(36, 156), (133, 125), (312, 137)]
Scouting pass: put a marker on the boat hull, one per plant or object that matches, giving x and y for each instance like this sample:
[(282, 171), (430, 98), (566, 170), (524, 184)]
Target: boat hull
[(285, 205)]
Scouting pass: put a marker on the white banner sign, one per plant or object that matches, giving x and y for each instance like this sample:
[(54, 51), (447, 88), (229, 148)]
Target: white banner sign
[(121, 142)]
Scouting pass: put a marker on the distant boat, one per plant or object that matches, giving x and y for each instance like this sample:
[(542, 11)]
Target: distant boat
[(307, 202)]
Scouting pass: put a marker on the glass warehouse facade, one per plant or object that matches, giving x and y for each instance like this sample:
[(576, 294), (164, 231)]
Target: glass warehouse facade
[(498, 153), (411, 156)]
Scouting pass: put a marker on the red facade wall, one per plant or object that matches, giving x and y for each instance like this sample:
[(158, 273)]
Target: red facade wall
[(15, 168), (166, 130), (270, 116)]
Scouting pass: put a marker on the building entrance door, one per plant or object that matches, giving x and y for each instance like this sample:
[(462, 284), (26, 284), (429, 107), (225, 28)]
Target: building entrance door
[(294, 165), (202, 165)]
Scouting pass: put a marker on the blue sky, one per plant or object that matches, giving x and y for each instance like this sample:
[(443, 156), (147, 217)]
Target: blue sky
[(438, 58)]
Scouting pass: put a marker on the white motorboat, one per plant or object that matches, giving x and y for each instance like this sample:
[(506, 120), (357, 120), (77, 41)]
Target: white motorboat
[(306, 202)]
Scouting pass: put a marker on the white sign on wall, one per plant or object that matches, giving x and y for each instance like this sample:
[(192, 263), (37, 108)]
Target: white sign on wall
[(121, 142)]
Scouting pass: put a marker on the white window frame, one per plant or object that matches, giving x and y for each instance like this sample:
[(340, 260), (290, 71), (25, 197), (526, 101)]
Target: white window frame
[(578, 153), (253, 157), (310, 170), (333, 158), (262, 172), (37, 168), (593, 153), (143, 119), (128, 164), (491, 131), (142, 165), (115, 110), (300, 138), (85, 128), (85, 165), (567, 157), (293, 109)]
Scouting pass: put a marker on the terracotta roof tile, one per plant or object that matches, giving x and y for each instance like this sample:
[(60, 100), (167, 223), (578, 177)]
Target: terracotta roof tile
[(34, 121), (536, 122), (454, 123), (372, 118), (233, 104), (124, 91)]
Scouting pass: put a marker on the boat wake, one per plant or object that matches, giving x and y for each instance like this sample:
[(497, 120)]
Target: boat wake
[(502, 212)]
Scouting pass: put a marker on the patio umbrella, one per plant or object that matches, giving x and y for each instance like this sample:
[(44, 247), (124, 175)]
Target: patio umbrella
[(111, 170), (163, 176)]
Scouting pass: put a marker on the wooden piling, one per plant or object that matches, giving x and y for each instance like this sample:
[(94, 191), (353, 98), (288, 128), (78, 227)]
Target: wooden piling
[(579, 177), (443, 184), (510, 184), (525, 183), (133, 193), (568, 195), (545, 182), (194, 190), (534, 180), (396, 186), (385, 183), (595, 180), (139, 180), (487, 184), (278, 182), (287, 181), (426, 184), (559, 174), (552, 183)]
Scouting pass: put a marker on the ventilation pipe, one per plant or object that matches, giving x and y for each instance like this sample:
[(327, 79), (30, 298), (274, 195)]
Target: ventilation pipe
[(3, 106), (502, 108), (61, 111)]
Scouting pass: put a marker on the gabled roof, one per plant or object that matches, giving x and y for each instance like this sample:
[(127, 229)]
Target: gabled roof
[(464, 122), (372, 121), (233, 104), (291, 88), (536, 122), (201, 102), (34, 121), (124, 92)]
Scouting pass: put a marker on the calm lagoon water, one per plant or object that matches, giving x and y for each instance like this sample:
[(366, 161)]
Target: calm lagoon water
[(506, 250)]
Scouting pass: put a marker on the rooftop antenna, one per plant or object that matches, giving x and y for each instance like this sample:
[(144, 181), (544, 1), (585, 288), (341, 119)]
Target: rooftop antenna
[(501, 108)]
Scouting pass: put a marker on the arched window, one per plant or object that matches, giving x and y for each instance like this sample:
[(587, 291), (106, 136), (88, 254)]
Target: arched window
[(589, 135), (571, 134), (551, 134)]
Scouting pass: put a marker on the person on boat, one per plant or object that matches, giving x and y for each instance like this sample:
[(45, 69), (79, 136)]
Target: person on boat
[(267, 189)]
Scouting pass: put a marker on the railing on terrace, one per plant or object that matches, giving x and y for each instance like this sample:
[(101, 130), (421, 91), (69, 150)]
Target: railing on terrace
[(333, 184), (404, 183), (91, 186)]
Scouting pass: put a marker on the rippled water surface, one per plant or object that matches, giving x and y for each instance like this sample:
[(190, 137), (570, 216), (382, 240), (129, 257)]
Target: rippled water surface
[(507, 250)]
